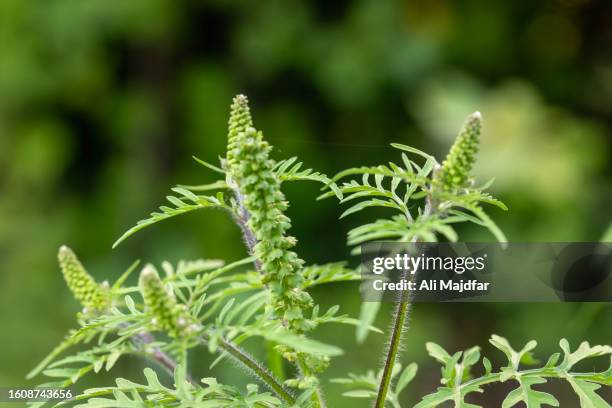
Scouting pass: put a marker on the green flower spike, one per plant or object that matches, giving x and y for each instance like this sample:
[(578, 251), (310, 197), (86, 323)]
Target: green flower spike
[(167, 314), (455, 171), (240, 121), (94, 297), (259, 197)]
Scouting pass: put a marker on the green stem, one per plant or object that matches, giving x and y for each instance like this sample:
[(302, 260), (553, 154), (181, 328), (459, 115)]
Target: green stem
[(256, 368), (399, 319)]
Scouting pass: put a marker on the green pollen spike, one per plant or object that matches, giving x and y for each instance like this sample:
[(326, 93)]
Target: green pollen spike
[(455, 171), (93, 297), (167, 314), (250, 171), (240, 121)]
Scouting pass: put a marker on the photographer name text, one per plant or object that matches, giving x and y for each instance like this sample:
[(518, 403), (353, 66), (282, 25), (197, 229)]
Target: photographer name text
[(432, 285)]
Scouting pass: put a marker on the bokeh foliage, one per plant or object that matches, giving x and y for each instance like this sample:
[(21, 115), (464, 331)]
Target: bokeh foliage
[(101, 107)]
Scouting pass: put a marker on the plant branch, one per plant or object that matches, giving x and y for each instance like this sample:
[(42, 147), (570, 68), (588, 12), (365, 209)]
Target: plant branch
[(156, 354), (256, 368), (159, 356)]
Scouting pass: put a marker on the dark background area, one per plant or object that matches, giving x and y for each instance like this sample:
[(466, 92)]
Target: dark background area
[(102, 106)]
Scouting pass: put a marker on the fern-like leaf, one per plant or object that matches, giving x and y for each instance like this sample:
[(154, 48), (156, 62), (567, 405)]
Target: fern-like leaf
[(458, 382), (525, 393), (365, 386), (291, 170), (187, 202)]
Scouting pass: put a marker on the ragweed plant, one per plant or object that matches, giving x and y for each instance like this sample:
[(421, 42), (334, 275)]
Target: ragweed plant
[(219, 305), (430, 199)]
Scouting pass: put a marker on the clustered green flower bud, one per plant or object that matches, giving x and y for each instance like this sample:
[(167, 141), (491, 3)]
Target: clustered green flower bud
[(168, 315), (94, 297), (455, 171), (250, 171)]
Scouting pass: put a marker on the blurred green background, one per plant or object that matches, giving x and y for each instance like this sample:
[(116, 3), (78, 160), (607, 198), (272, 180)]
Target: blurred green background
[(103, 103)]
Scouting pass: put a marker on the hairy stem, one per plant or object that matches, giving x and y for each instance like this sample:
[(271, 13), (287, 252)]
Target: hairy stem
[(242, 219), (399, 319), (400, 316), (256, 368)]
